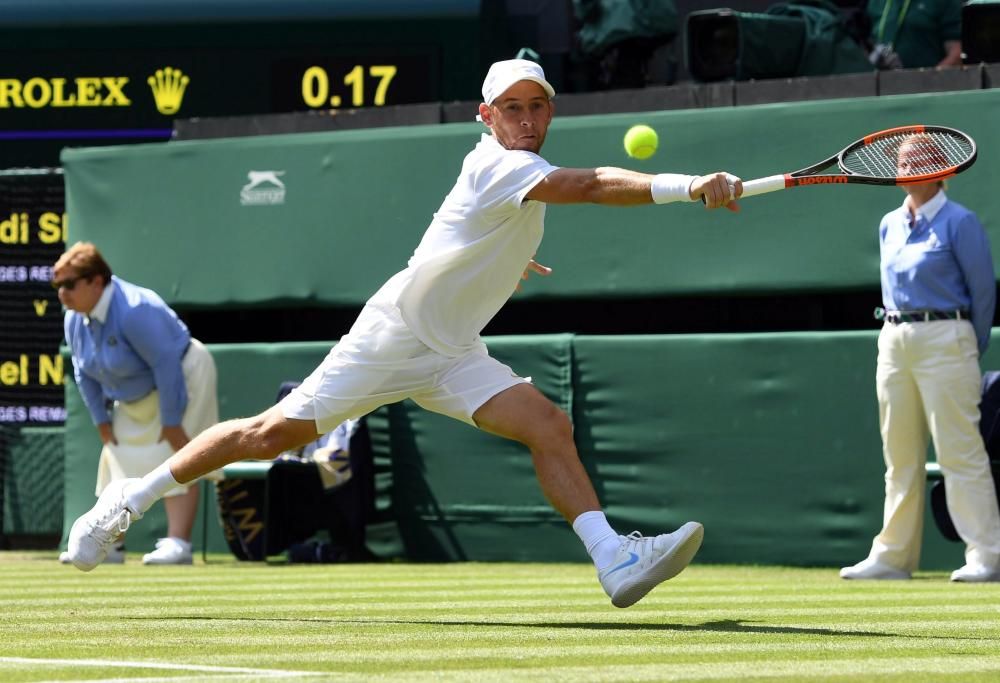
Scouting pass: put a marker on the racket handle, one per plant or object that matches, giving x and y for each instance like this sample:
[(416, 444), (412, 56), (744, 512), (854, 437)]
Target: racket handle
[(763, 185)]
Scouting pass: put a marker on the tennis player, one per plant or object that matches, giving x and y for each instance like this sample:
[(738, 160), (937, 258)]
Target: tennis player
[(418, 337)]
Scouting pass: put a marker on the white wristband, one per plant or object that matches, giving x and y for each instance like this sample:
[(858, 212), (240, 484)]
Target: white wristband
[(672, 187)]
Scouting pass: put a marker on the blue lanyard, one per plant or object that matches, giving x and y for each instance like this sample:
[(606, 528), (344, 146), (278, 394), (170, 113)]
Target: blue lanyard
[(899, 21)]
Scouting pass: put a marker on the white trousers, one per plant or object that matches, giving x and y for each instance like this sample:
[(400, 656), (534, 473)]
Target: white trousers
[(136, 425), (928, 384)]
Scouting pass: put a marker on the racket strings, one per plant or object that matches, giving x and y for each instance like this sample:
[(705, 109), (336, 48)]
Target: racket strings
[(908, 154)]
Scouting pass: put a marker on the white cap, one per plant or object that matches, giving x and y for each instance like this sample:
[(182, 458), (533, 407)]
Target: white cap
[(504, 74)]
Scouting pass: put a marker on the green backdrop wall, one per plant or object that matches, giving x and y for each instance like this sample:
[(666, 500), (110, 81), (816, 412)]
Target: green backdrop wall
[(770, 440), (355, 203)]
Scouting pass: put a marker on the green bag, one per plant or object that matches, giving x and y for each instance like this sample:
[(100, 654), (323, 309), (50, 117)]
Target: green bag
[(804, 38), (605, 23), (828, 47)]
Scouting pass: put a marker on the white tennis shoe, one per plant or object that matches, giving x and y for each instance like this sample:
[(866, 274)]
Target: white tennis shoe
[(976, 573), (875, 570), (115, 556), (643, 562), (95, 532), (169, 550)]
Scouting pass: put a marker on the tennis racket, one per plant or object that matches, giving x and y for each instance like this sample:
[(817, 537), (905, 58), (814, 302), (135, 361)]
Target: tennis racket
[(897, 156)]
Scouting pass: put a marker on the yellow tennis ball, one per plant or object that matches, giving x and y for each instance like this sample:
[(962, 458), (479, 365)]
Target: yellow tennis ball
[(641, 142)]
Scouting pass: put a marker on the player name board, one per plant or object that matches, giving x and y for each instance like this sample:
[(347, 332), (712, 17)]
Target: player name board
[(32, 236)]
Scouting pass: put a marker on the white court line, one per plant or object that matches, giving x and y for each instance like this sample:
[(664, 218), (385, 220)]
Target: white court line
[(269, 673)]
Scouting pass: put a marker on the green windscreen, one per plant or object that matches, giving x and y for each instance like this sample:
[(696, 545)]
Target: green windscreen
[(327, 217), (770, 440)]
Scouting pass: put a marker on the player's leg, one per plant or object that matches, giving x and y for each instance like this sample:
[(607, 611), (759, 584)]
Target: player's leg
[(523, 414), (482, 391), (252, 438), (635, 564), (260, 437)]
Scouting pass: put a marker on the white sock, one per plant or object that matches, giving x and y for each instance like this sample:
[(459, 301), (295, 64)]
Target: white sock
[(142, 494), (600, 540)]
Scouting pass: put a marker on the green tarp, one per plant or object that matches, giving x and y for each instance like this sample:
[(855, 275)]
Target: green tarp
[(343, 211), (770, 440)]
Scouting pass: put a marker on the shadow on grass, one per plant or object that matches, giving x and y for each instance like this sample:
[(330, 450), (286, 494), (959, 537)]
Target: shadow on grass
[(722, 626)]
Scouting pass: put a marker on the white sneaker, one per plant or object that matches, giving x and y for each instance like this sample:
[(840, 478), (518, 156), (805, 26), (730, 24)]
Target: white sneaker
[(95, 532), (169, 550), (975, 573), (115, 556), (870, 569), (643, 562)]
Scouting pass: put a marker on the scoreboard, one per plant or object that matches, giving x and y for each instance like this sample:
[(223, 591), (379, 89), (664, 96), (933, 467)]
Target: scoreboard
[(127, 77), (133, 96), (32, 235)]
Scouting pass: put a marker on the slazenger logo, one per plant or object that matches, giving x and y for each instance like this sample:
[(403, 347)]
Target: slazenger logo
[(264, 189)]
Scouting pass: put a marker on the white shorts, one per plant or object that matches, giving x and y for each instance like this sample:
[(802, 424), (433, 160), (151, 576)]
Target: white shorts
[(380, 362)]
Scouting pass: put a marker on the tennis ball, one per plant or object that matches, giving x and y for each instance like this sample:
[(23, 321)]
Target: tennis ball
[(641, 142)]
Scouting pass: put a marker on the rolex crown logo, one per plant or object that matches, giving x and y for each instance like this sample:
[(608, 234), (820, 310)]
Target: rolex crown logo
[(168, 89)]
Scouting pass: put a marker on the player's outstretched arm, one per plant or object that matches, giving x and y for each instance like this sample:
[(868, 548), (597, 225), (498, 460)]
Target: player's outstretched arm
[(621, 187)]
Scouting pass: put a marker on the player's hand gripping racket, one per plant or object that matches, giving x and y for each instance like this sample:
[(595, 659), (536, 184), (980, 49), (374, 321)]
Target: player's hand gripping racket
[(897, 156)]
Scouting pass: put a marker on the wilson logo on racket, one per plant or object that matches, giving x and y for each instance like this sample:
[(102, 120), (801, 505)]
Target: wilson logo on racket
[(897, 156), (819, 180)]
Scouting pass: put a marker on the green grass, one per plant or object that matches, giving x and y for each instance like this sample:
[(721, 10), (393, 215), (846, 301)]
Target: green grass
[(483, 622)]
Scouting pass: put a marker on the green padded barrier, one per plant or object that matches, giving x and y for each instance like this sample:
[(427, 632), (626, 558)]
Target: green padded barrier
[(33, 495), (462, 494), (770, 440), (355, 204)]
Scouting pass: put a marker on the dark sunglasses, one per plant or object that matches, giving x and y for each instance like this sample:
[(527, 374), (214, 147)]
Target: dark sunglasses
[(69, 283)]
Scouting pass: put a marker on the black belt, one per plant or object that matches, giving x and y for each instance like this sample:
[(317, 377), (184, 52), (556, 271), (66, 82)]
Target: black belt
[(897, 317)]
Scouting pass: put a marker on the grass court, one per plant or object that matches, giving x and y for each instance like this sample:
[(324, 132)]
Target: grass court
[(231, 621)]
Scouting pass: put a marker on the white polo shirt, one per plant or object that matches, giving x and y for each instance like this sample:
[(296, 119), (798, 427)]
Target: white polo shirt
[(472, 256)]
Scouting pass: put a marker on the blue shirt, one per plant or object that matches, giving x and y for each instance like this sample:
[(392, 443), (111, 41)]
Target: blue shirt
[(942, 263), (130, 344)]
